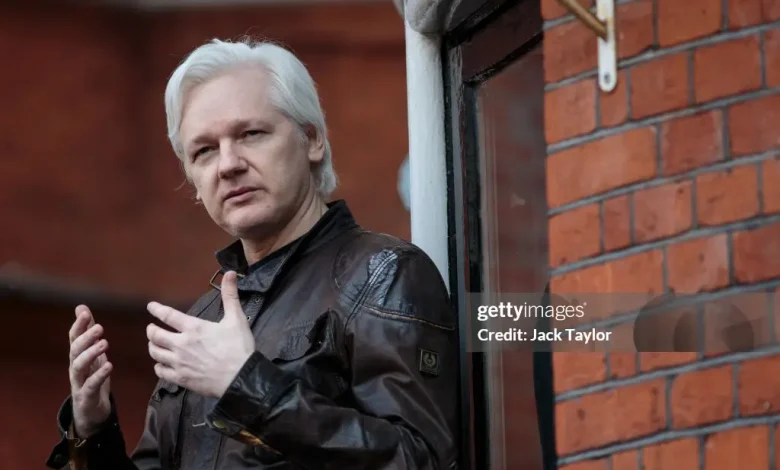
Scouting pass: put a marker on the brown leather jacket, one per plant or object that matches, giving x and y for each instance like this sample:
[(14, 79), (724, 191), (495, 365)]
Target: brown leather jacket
[(356, 367)]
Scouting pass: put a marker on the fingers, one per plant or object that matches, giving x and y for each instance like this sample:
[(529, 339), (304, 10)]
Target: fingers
[(230, 290), (161, 355), (82, 364), (230, 300), (91, 387), (166, 373), (84, 341), (161, 337), (172, 317), (84, 320)]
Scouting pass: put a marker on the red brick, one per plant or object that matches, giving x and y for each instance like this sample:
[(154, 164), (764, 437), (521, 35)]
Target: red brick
[(741, 55), (770, 184), (569, 49), (691, 142), (632, 275), (753, 125), (698, 265), (622, 355), (682, 454), (683, 21), (727, 196), (649, 361), (613, 106), (622, 364), (757, 254), (581, 224), (746, 447), (617, 223), (601, 165), (662, 211), (617, 415), (659, 85), (577, 369), (634, 27), (759, 391), (752, 12), (628, 460), (639, 273), (702, 397), (552, 9), (772, 57), (774, 307), (600, 464), (743, 13), (570, 111), (770, 10)]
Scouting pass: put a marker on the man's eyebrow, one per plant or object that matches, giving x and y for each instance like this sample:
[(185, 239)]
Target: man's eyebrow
[(200, 139), (206, 136)]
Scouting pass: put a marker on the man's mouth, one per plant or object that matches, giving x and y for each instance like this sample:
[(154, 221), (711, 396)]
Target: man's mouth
[(239, 192)]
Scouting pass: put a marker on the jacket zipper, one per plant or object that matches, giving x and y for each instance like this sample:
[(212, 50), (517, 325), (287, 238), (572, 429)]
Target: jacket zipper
[(221, 442), (180, 424), (219, 451)]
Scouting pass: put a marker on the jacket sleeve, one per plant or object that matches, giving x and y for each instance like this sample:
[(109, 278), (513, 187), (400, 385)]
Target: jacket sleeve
[(401, 345), (105, 450)]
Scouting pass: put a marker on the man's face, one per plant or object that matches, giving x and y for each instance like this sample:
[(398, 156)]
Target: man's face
[(250, 164)]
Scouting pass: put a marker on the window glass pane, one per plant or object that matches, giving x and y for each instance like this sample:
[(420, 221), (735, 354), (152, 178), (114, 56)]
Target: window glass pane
[(513, 215)]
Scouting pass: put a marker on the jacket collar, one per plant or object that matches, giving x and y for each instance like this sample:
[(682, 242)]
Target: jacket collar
[(259, 277)]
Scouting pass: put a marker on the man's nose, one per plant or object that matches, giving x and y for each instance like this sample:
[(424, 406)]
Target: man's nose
[(231, 161)]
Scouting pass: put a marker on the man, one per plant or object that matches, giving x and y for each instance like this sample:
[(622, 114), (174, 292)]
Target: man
[(326, 346)]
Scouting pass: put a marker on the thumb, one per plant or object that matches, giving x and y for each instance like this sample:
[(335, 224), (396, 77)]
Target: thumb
[(230, 300)]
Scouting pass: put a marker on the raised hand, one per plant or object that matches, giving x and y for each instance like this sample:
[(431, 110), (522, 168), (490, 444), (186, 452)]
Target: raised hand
[(200, 355), (89, 374)]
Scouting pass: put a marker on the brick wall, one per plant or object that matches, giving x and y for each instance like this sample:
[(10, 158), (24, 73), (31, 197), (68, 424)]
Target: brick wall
[(670, 183)]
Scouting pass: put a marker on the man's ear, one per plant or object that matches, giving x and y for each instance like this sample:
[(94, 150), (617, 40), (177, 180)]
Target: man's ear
[(315, 144)]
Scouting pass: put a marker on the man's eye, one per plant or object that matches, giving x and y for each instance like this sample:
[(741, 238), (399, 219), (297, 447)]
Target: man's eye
[(200, 152), (251, 132)]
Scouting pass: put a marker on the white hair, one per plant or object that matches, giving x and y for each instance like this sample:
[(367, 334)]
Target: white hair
[(293, 91)]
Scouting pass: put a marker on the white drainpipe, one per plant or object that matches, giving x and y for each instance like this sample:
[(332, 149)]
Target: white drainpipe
[(427, 151)]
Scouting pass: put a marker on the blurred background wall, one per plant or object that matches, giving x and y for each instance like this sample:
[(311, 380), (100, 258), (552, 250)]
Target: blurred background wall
[(93, 205)]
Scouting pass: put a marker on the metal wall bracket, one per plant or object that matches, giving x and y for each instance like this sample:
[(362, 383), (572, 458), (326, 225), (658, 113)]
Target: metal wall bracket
[(603, 25)]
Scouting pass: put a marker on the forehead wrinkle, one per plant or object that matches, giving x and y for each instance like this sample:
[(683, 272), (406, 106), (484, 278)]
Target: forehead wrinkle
[(222, 97)]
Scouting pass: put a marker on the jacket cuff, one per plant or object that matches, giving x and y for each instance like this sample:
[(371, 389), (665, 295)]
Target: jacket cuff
[(61, 454), (80, 452), (250, 397)]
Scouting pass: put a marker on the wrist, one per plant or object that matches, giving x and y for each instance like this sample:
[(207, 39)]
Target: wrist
[(232, 371), (83, 433)]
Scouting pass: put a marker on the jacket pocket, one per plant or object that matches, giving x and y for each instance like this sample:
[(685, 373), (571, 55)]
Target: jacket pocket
[(165, 388), (305, 339), (312, 352)]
